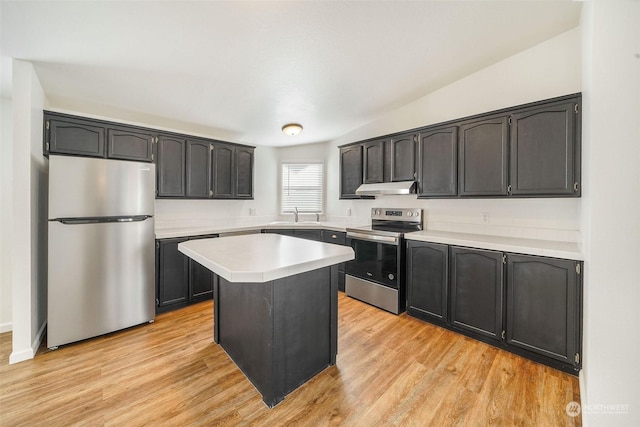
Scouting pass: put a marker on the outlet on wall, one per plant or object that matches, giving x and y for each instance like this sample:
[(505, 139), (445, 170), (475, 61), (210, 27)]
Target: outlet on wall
[(348, 211), (485, 217), (252, 212)]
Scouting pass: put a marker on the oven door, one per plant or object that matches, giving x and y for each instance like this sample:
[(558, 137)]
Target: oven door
[(376, 258)]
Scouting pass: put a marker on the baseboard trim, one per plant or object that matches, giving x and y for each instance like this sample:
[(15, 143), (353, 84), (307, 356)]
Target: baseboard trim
[(28, 353), (6, 327)]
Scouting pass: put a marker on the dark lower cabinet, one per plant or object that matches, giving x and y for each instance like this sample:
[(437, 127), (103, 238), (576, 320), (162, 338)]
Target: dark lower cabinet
[(173, 275), (180, 281), (528, 305), (427, 280), (477, 285), (337, 238), (309, 234), (200, 278), (543, 306)]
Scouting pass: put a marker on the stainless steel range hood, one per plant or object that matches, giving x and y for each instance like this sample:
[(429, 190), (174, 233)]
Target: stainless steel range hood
[(387, 188)]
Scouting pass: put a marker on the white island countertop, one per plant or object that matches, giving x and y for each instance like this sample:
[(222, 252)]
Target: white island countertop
[(261, 258)]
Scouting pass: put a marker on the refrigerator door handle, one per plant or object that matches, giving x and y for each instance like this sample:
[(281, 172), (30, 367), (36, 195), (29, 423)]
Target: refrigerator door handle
[(76, 221)]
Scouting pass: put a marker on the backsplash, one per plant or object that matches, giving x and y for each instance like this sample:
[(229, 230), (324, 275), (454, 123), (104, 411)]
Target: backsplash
[(542, 219)]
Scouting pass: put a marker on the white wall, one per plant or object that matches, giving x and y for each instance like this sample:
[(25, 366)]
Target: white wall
[(549, 69), (5, 214), (611, 212), (29, 214)]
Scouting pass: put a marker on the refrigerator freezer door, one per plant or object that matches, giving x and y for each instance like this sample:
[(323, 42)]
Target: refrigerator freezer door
[(101, 278), (84, 187)]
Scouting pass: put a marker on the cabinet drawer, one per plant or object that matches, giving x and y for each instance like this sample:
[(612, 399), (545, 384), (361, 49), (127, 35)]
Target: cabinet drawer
[(337, 237)]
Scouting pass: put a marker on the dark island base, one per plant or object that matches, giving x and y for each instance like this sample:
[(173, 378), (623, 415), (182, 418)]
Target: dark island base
[(279, 333)]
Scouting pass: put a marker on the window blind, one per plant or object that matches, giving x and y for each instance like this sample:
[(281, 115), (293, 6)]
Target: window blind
[(302, 187)]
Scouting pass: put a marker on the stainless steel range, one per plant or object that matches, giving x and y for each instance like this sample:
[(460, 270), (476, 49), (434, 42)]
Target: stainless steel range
[(377, 274)]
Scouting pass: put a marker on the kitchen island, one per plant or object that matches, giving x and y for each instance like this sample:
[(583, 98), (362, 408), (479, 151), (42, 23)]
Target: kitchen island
[(275, 306)]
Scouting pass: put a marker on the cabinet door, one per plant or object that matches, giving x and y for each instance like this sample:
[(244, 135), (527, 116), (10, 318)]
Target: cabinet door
[(128, 144), (483, 158), (350, 171), (173, 273), (170, 166), (476, 291), (309, 234), (428, 278), (200, 277), (373, 162), (403, 158), (198, 169), (70, 136), (543, 300), (543, 150), (244, 173), (438, 174), (223, 168)]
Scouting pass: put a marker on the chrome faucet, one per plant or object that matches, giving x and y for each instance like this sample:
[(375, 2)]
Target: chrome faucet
[(317, 217), (295, 214)]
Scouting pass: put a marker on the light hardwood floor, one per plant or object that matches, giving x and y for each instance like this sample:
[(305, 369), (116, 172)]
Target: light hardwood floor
[(390, 370)]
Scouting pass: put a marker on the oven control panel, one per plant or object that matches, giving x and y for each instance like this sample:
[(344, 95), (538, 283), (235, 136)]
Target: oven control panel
[(395, 214)]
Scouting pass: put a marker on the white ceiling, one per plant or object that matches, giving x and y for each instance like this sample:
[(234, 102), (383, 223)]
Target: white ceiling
[(243, 69)]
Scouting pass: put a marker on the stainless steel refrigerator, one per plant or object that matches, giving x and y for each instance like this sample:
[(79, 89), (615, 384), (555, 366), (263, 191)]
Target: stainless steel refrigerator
[(101, 247)]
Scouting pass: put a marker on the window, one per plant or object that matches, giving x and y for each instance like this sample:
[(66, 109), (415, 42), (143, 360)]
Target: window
[(302, 187)]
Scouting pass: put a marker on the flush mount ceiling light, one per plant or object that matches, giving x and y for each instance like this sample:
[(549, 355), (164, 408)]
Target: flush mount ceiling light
[(292, 129)]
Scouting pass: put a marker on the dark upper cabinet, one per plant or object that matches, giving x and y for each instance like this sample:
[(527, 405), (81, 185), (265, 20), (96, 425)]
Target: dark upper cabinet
[(223, 167), (129, 144), (544, 154), (171, 166), (427, 280), (66, 135), (350, 171), (438, 172), (477, 291), (173, 273), (244, 172), (198, 169), (483, 157), (403, 157), (373, 153), (543, 306)]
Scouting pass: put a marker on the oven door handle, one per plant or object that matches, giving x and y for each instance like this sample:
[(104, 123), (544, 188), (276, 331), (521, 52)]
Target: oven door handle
[(373, 238)]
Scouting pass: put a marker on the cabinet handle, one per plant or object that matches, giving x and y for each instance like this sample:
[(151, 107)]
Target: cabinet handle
[(333, 236)]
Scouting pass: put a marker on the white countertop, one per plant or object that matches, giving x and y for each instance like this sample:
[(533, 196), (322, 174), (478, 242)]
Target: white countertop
[(167, 233), (549, 248), (263, 257)]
